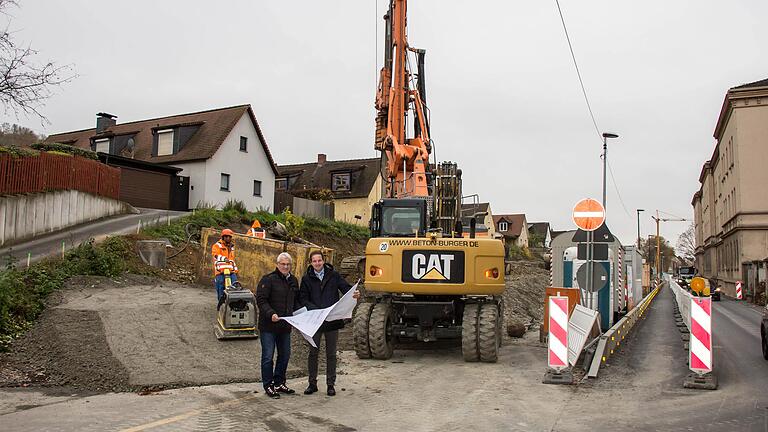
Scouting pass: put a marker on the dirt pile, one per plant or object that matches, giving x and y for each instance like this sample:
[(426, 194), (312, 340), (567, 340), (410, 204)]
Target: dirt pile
[(524, 295)]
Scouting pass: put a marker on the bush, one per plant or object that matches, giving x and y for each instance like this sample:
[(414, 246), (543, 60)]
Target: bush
[(16, 152), (235, 205), (23, 292), (294, 224), (65, 148)]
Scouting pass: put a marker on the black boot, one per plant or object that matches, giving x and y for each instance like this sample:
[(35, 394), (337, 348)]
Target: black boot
[(331, 391), (311, 389)]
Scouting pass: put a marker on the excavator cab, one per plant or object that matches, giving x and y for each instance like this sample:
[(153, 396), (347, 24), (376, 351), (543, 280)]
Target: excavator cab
[(399, 217)]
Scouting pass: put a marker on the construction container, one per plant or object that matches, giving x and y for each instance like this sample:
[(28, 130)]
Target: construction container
[(609, 298)]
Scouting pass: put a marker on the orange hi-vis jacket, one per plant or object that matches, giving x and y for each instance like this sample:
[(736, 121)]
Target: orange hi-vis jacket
[(221, 254)]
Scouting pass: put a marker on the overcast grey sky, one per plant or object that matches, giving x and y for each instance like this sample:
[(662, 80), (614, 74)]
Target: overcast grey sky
[(505, 100)]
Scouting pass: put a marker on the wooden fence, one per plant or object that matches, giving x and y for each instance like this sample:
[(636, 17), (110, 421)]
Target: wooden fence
[(47, 172)]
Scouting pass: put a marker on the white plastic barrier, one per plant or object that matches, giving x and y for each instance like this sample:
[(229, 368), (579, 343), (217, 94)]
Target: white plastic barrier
[(683, 300)]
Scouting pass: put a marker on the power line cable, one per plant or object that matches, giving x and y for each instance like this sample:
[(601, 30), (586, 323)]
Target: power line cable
[(615, 186), (578, 72)]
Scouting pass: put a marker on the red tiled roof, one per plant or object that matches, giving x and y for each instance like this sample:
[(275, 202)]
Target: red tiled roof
[(516, 223)]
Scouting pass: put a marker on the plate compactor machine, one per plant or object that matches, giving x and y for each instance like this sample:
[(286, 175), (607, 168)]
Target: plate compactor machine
[(236, 317)]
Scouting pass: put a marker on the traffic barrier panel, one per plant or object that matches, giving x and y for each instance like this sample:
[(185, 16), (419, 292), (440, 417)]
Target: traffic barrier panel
[(557, 355), (700, 346), (738, 290)]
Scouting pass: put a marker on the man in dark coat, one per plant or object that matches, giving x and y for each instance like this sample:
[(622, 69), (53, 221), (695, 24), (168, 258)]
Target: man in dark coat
[(320, 289), (276, 297)]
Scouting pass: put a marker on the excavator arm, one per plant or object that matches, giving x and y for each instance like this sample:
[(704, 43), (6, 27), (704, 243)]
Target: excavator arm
[(407, 159)]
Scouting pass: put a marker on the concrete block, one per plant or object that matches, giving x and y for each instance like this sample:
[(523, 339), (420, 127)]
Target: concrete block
[(552, 376), (685, 336), (701, 382)]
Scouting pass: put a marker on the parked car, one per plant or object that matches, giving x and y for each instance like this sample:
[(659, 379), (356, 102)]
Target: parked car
[(764, 332), (684, 276)]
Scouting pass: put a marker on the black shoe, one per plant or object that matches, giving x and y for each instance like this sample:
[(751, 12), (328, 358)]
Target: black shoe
[(271, 392), (282, 388), (311, 389), (331, 391)]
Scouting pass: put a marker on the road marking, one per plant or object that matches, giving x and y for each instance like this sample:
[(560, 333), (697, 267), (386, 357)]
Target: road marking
[(187, 415)]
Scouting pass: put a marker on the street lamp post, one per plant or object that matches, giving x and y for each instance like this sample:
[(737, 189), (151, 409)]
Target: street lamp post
[(638, 227), (606, 135)]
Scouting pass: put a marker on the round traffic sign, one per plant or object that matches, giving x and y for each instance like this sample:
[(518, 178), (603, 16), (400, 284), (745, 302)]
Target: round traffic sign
[(588, 214)]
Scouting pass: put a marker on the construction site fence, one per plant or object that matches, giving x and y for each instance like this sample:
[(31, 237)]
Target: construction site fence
[(48, 172), (610, 341)]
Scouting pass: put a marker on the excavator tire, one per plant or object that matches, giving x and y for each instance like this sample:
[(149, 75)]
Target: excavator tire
[(360, 330), (379, 332), (469, 336), (352, 268), (488, 333), (500, 305)]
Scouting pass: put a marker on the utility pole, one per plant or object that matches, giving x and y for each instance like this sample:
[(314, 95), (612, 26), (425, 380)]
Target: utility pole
[(638, 227)]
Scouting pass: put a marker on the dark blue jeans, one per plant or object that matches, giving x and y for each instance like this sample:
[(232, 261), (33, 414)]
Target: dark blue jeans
[(219, 281), (269, 342)]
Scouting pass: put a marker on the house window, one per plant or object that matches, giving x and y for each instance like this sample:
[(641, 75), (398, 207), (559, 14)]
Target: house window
[(256, 188), (243, 144), (503, 226), (225, 182), (340, 182), (165, 142), (102, 145), (281, 184)]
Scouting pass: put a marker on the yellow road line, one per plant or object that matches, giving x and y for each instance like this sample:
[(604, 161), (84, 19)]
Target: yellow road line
[(186, 415)]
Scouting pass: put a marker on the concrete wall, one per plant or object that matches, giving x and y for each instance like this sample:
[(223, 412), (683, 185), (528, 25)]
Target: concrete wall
[(23, 217)]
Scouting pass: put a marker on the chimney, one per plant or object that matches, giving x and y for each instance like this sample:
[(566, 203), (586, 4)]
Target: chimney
[(321, 159), (104, 121)]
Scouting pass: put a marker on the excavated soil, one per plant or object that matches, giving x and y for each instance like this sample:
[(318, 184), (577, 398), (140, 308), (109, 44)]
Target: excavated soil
[(135, 333), (524, 296)]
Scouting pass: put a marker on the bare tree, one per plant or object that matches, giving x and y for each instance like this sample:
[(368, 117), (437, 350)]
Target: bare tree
[(686, 245), (25, 84)]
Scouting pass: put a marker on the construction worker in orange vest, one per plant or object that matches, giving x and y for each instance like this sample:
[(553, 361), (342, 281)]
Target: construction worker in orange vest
[(256, 229), (223, 252)]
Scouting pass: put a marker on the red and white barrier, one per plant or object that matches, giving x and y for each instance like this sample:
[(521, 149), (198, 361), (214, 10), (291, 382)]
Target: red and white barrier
[(738, 290), (700, 346), (557, 357)]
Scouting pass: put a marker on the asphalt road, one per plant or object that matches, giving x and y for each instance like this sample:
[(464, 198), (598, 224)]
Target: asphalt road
[(741, 401), (40, 247), (433, 389)]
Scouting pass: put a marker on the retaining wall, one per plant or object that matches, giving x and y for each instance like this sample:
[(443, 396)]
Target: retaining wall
[(23, 217)]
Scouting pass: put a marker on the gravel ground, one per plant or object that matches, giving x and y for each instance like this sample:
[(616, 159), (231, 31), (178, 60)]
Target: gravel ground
[(133, 333), (136, 333)]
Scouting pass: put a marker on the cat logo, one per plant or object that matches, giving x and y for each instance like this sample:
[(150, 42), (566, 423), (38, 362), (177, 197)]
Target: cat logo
[(433, 266)]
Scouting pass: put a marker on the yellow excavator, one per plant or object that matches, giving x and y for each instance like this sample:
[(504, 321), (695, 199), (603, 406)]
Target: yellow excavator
[(425, 277)]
